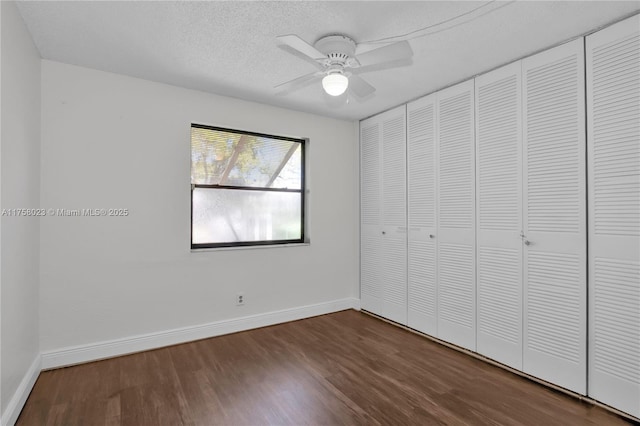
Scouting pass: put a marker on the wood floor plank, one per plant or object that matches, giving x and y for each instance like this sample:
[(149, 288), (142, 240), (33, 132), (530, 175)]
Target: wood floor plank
[(346, 368)]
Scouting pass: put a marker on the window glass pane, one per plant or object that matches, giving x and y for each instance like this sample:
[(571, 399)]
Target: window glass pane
[(210, 154), (260, 161), (227, 216), (290, 176), (227, 158)]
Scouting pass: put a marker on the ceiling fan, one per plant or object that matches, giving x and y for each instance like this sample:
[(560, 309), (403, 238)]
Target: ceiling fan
[(335, 55)]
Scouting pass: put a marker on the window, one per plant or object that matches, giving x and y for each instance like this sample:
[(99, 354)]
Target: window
[(246, 188)]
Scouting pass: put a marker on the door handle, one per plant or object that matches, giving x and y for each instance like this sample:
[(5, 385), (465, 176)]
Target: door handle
[(527, 242)]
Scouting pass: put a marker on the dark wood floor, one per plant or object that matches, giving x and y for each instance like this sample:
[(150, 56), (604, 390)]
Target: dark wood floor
[(342, 368)]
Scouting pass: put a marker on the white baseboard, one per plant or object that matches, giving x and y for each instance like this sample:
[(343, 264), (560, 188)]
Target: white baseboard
[(11, 413), (356, 304), (101, 350)]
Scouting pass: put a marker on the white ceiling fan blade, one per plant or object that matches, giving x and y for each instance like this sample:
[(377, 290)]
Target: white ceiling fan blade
[(383, 66), (301, 46), (297, 83), (290, 50), (360, 87), (391, 52)]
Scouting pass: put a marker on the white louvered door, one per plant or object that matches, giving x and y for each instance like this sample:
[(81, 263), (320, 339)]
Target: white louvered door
[(613, 114), (499, 219), (394, 214), (456, 215), (422, 214), (371, 216), (555, 216), (383, 248)]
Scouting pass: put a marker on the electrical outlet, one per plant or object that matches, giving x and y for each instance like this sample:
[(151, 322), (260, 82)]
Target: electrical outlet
[(239, 299)]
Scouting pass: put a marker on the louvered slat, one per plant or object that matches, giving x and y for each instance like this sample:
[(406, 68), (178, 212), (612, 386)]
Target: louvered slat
[(553, 181), (553, 292), (499, 299), (456, 197), (395, 278), (393, 170), (370, 269), (456, 297), (498, 152), (370, 187), (613, 116), (421, 164), (422, 282), (616, 329), (616, 136)]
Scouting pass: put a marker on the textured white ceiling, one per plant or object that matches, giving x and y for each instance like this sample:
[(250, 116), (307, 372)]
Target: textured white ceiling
[(229, 47)]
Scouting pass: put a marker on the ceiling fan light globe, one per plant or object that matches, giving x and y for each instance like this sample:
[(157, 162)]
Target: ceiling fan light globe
[(335, 84)]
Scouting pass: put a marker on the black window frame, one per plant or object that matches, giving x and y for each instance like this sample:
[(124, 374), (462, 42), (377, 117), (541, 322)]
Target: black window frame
[(301, 191)]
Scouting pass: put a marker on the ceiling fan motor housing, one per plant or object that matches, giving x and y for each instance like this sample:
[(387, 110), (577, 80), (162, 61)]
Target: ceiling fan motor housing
[(339, 49)]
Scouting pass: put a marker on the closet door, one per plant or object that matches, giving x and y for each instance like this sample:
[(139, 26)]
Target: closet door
[(456, 216), (371, 255), (499, 219), (394, 214), (613, 114), (555, 216), (421, 185), (384, 215)]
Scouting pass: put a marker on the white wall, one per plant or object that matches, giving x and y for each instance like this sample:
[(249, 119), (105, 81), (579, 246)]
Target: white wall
[(20, 178), (110, 141)]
